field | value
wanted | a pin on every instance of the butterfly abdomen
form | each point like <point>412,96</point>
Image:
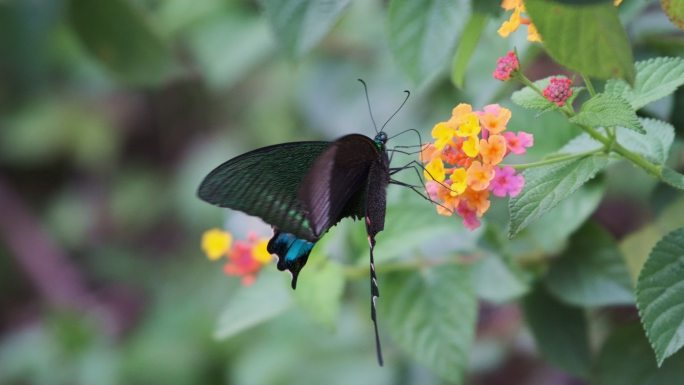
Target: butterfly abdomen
<point>292,252</point>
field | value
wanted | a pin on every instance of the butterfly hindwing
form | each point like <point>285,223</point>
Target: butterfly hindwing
<point>335,186</point>
<point>264,183</point>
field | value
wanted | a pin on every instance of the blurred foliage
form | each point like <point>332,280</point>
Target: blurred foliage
<point>112,112</point>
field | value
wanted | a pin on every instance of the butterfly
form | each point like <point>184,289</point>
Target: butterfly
<point>302,189</point>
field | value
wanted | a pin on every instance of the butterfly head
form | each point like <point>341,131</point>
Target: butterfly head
<point>380,140</point>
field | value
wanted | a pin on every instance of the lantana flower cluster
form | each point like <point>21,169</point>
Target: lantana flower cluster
<point>463,165</point>
<point>245,257</point>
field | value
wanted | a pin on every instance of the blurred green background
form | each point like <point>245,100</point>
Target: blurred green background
<point>112,112</point>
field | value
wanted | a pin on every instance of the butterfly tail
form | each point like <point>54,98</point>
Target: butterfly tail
<point>375,293</point>
<point>292,252</point>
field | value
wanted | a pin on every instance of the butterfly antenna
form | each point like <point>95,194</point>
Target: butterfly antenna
<point>370,111</point>
<point>408,93</point>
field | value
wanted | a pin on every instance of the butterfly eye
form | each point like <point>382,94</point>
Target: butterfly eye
<point>381,137</point>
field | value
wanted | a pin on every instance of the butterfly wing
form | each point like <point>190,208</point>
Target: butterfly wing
<point>335,185</point>
<point>350,178</point>
<point>264,183</point>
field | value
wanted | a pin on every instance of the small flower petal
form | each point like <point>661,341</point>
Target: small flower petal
<point>479,175</point>
<point>510,25</point>
<point>469,126</point>
<point>458,181</point>
<point>260,252</point>
<point>216,243</point>
<point>494,118</point>
<point>493,149</point>
<point>443,133</point>
<point>471,146</point>
<point>518,142</point>
<point>435,170</point>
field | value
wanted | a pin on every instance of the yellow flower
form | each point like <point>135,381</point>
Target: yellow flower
<point>260,252</point>
<point>471,146</point>
<point>435,170</point>
<point>216,243</point>
<point>469,127</point>
<point>512,24</point>
<point>617,2</point>
<point>443,133</point>
<point>458,181</point>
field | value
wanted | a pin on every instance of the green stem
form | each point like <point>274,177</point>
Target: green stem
<point>590,86</point>
<point>524,80</point>
<point>611,144</point>
<point>556,159</point>
<point>614,146</point>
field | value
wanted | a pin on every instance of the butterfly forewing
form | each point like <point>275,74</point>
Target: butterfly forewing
<point>264,183</point>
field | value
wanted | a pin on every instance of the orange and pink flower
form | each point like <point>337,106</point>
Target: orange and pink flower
<point>463,166</point>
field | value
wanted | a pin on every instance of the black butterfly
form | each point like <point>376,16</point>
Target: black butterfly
<point>302,189</point>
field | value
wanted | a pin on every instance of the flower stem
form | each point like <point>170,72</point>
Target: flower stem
<point>590,86</point>
<point>610,143</point>
<point>524,80</point>
<point>613,146</point>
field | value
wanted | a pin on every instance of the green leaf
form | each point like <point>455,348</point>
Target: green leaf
<point>549,234</point>
<point>659,295</point>
<point>655,145</point>
<point>559,330</point>
<point>425,227</point>
<point>528,98</point>
<point>674,9</point>
<point>495,281</point>
<point>299,25</point>
<point>636,246</point>
<point>588,39</point>
<point>591,272</point>
<point>117,34</point>
<point>422,34</point>
<point>546,186</point>
<point>320,290</point>
<point>604,110</point>
<point>673,178</point>
<point>466,47</point>
<point>267,298</point>
<point>431,315</point>
<point>224,63</point>
<point>582,2</point>
<point>655,79</point>
<point>626,359</point>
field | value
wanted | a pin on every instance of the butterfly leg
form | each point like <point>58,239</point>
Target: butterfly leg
<point>417,191</point>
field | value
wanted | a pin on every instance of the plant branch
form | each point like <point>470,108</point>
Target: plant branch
<point>590,86</point>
